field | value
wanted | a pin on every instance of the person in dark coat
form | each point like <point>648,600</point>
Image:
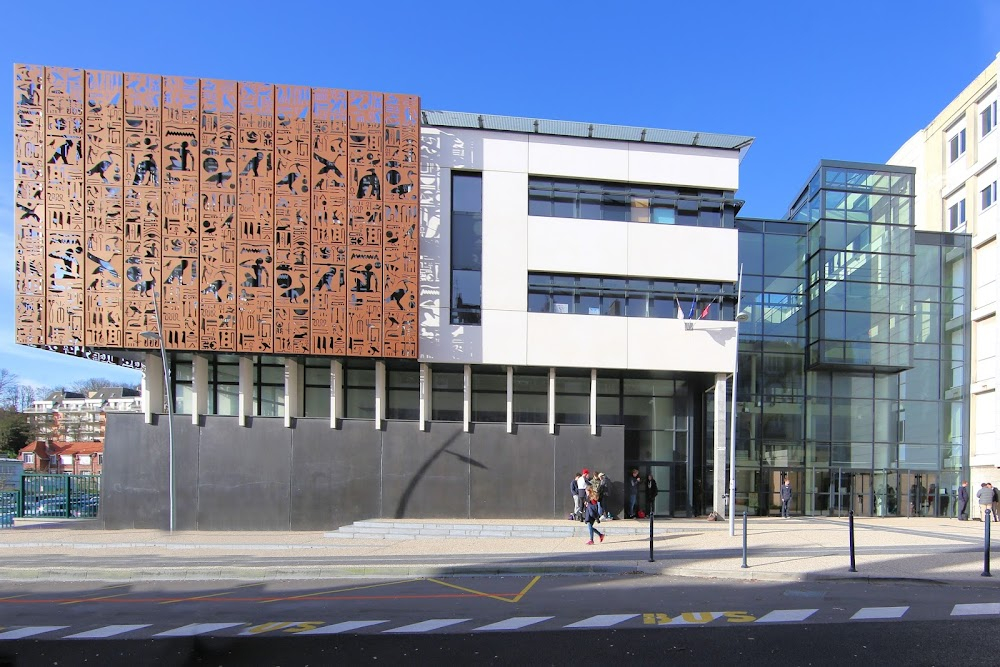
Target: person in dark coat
<point>651,492</point>
<point>634,482</point>
<point>592,515</point>
<point>786,498</point>
<point>963,501</point>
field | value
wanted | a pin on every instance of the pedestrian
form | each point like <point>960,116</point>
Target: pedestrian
<point>634,482</point>
<point>985,498</point>
<point>651,492</point>
<point>593,514</point>
<point>786,498</point>
<point>582,486</point>
<point>603,495</point>
<point>963,501</point>
<point>575,493</point>
<point>996,499</point>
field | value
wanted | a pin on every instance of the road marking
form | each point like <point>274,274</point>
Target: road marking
<point>213,595</point>
<point>30,631</point>
<point>879,612</point>
<point>427,626</point>
<point>196,629</point>
<point>517,598</point>
<point>786,615</point>
<point>696,617</point>
<point>515,623</point>
<point>106,631</point>
<point>337,628</point>
<point>981,609</point>
<point>104,597</point>
<point>601,621</point>
<point>339,590</point>
<point>500,597</point>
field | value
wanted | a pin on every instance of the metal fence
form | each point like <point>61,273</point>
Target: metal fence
<point>58,496</point>
<point>9,502</point>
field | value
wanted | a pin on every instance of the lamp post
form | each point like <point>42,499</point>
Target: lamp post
<point>158,336</point>
<point>740,317</point>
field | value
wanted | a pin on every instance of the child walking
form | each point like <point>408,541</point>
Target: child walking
<point>592,514</point>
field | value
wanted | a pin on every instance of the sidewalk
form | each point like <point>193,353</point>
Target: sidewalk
<point>797,549</point>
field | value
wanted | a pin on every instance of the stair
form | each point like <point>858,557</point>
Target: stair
<point>402,529</point>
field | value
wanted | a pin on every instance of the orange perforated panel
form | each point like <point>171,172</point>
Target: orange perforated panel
<point>248,217</point>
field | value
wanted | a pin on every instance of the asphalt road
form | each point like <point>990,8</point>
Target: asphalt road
<point>497,620</point>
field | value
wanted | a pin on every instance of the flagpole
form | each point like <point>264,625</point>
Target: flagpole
<point>738,317</point>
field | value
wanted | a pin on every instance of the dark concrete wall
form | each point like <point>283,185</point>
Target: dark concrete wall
<point>311,477</point>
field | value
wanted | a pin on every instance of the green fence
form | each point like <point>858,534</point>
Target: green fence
<point>59,496</point>
<point>9,502</point>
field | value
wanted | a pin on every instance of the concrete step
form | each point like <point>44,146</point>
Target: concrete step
<point>390,529</point>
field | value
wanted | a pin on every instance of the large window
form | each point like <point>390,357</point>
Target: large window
<point>489,394</point>
<point>632,297</point>
<point>594,200</point>
<point>573,397</point>
<point>466,247</point>
<point>359,389</point>
<point>447,393</point>
<point>224,372</point>
<point>956,146</point>
<point>182,376</point>
<point>956,215</point>
<point>316,397</point>
<point>531,395</point>
<point>988,118</point>
<point>269,389</point>
<point>988,195</point>
<point>403,391</point>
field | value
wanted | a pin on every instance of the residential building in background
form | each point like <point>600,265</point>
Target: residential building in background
<point>70,458</point>
<point>65,416</point>
<point>956,159</point>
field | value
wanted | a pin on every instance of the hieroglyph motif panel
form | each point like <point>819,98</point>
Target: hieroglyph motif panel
<point>238,217</point>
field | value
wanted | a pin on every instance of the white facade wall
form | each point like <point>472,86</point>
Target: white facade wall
<point>515,243</point>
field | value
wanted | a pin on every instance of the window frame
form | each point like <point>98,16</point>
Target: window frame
<point>988,115</point>
<point>957,215</point>
<point>988,193</point>
<point>956,146</point>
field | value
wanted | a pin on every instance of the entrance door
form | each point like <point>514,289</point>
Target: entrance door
<point>775,478</point>
<point>921,497</point>
<point>885,486</point>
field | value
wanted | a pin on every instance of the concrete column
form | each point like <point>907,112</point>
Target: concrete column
<point>199,386</point>
<point>152,386</point>
<point>426,405</point>
<point>379,395</point>
<point>466,397</point>
<point>293,391</point>
<point>336,392</point>
<point>510,399</point>
<point>246,390</point>
<point>552,401</point>
<point>720,478</point>
<point>593,401</point>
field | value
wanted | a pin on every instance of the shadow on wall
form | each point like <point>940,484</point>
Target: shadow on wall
<point>440,152</point>
<point>421,472</point>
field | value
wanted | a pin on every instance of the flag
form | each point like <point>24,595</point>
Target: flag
<point>704,312</point>
<point>693,311</point>
<point>680,309</point>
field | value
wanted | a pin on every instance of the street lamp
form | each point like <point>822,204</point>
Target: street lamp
<point>740,317</point>
<point>158,336</point>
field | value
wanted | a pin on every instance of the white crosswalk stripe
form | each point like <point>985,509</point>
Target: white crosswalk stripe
<point>337,628</point>
<point>981,609</point>
<point>786,615</point>
<point>196,629</point>
<point>601,621</point>
<point>868,613</point>
<point>515,623</point>
<point>427,626</point>
<point>30,631</point>
<point>106,631</point>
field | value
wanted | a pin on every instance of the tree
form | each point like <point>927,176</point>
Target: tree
<point>91,384</point>
<point>8,388</point>
<point>14,432</point>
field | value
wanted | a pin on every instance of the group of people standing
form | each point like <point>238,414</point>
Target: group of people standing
<point>988,501</point>
<point>634,485</point>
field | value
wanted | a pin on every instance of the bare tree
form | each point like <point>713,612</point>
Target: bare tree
<point>90,384</point>
<point>8,388</point>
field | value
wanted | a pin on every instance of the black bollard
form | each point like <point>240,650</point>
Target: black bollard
<point>850,523</point>
<point>744,566</point>
<point>986,547</point>
<point>651,533</point>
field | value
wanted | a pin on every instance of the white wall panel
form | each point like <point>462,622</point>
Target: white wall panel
<point>578,158</point>
<point>505,337</point>
<point>675,251</point>
<point>665,344</point>
<point>581,341</point>
<point>681,165</point>
<point>505,241</point>
<point>578,246</point>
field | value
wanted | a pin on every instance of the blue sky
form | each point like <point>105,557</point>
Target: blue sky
<point>845,80</point>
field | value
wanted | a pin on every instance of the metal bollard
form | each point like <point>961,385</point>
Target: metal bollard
<point>986,547</point>
<point>744,540</point>
<point>850,523</point>
<point>651,533</point>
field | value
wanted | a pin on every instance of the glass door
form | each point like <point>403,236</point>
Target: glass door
<point>884,487</point>
<point>775,478</point>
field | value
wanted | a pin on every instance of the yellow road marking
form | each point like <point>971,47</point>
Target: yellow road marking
<point>489,595</point>
<point>214,595</point>
<point>11,597</point>
<point>340,590</point>
<point>103,597</point>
